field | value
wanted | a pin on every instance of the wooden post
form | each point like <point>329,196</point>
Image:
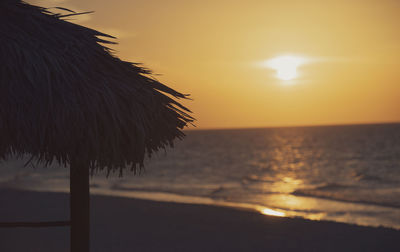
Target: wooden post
<point>79,207</point>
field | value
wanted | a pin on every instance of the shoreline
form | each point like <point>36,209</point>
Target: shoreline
<point>126,224</point>
<point>265,209</point>
<point>261,209</point>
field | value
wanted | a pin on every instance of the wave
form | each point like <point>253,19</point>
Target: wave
<point>257,179</point>
<point>119,187</point>
<point>332,186</point>
<point>216,193</point>
<point>344,193</point>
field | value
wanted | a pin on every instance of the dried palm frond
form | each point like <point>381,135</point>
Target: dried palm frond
<point>64,95</point>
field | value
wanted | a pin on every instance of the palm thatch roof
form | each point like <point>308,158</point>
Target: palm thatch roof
<point>64,96</point>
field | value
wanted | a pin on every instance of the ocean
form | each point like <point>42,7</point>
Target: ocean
<point>346,174</point>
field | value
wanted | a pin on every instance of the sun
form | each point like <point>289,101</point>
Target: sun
<point>285,66</point>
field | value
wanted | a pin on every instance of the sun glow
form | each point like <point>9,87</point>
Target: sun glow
<point>268,211</point>
<point>285,66</point>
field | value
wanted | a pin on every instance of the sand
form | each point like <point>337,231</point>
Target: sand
<point>125,224</point>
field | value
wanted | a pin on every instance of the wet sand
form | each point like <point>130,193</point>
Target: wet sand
<point>124,224</point>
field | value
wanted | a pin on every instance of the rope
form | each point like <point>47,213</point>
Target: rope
<point>35,224</point>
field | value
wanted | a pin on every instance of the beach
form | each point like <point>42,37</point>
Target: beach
<point>126,224</point>
<point>341,173</point>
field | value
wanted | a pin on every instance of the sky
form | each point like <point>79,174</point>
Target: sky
<point>216,51</point>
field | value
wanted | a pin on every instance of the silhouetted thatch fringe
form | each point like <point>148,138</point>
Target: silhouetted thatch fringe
<point>64,96</point>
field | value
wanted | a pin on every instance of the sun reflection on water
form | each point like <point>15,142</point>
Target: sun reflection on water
<point>288,183</point>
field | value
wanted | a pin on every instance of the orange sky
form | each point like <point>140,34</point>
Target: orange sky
<point>213,50</point>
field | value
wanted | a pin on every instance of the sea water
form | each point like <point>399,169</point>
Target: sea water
<point>340,173</point>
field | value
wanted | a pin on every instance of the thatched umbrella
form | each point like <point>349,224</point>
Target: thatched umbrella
<point>65,98</point>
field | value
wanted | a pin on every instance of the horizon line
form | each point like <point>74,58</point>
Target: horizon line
<point>293,126</point>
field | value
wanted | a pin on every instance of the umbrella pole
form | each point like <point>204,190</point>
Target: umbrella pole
<point>79,207</point>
